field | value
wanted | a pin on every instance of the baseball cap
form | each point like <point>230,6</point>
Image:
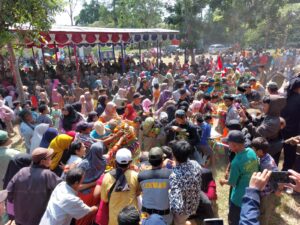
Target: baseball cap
<point>246,86</point>
<point>236,136</point>
<point>272,85</point>
<point>123,156</point>
<point>39,154</point>
<point>252,79</point>
<point>234,125</point>
<point>137,95</point>
<point>155,154</point>
<point>179,113</point>
<point>83,126</point>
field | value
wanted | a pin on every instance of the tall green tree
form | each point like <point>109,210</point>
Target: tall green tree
<point>122,13</point>
<point>187,16</point>
<point>90,13</point>
<point>35,15</point>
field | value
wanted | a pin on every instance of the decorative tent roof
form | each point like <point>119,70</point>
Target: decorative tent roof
<point>74,35</point>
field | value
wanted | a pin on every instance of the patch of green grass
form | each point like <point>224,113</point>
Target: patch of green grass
<point>288,206</point>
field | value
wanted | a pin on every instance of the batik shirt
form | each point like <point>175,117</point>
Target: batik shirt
<point>185,182</point>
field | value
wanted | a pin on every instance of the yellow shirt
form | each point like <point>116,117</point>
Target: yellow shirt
<point>118,200</point>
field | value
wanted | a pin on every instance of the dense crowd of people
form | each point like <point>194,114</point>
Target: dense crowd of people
<point>107,148</point>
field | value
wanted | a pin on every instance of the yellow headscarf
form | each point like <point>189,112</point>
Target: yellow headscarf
<point>59,145</point>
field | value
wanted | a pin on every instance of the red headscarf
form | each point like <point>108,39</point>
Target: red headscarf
<point>131,115</point>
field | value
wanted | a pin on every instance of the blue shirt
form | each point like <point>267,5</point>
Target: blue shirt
<point>205,135</point>
<point>250,208</point>
<point>155,185</point>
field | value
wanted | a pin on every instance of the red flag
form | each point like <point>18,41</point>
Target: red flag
<point>220,64</point>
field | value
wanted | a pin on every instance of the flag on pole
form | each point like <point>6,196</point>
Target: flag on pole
<point>219,63</point>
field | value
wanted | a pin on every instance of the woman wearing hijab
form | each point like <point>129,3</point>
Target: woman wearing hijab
<point>120,98</point>
<point>37,136</point>
<point>94,166</point>
<point>151,135</point>
<point>69,119</point>
<point>130,113</point>
<point>102,101</point>
<point>130,93</point>
<point>109,113</point>
<point>164,97</point>
<point>115,87</point>
<point>92,117</point>
<point>48,136</point>
<point>60,145</point>
<point>15,164</point>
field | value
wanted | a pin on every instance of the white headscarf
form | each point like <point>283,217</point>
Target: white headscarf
<point>37,136</point>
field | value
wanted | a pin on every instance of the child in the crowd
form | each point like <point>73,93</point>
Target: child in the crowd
<point>156,93</point>
<point>55,114</point>
<point>205,129</point>
<point>268,195</point>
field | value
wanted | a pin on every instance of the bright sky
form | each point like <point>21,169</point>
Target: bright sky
<point>64,19</point>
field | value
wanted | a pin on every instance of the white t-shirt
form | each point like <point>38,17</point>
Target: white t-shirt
<point>64,205</point>
<point>74,159</point>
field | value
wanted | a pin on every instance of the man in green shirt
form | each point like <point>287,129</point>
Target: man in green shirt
<point>244,164</point>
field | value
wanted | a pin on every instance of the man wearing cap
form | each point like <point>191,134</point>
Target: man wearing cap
<point>244,164</point>
<point>272,88</point>
<point>30,189</point>
<point>181,129</point>
<point>155,186</point>
<point>120,186</point>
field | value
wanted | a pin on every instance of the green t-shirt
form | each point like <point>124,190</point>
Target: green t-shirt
<point>243,165</point>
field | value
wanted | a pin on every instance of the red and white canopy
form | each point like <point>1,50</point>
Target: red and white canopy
<point>74,35</point>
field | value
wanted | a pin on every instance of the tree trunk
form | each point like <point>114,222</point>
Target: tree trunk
<point>71,12</point>
<point>115,16</point>
<point>15,71</point>
<point>192,54</point>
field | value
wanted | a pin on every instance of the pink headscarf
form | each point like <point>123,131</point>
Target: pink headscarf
<point>196,106</point>
<point>56,97</point>
<point>55,83</point>
<point>146,104</point>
